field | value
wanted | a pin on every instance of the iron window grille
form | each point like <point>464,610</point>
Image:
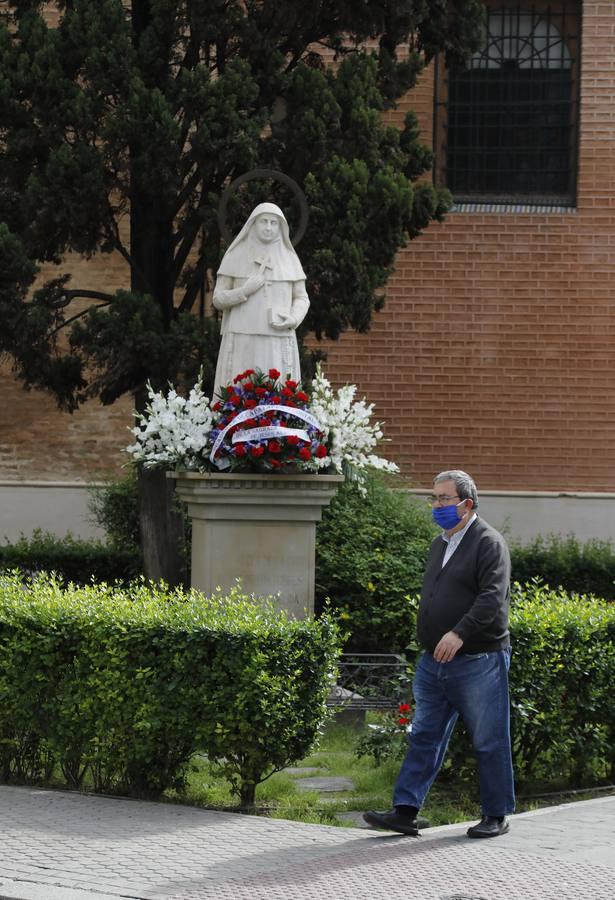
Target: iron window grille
<point>506,126</point>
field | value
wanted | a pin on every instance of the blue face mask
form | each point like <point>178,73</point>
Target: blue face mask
<point>446,517</point>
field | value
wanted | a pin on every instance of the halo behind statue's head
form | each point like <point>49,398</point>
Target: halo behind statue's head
<point>241,258</point>
<point>259,175</point>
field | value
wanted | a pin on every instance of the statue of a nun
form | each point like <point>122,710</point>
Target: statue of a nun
<point>260,289</point>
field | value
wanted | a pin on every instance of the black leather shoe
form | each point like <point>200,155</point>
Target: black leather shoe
<point>489,826</point>
<point>392,821</point>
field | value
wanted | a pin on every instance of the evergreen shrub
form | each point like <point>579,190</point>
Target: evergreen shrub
<point>74,560</point>
<point>370,558</point>
<point>561,688</point>
<point>585,568</point>
<point>121,687</point>
<point>563,702</point>
<point>114,505</point>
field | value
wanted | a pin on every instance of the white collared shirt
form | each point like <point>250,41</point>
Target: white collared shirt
<point>454,540</point>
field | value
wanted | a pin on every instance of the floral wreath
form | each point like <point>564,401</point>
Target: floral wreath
<point>261,423</point>
<point>265,425</point>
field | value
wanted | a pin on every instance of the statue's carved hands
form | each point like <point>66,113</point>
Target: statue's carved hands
<point>285,323</point>
<point>253,283</point>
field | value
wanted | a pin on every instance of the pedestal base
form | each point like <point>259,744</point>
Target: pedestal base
<point>257,528</point>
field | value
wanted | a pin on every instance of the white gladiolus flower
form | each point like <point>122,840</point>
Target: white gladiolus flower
<point>173,430</point>
<point>347,429</point>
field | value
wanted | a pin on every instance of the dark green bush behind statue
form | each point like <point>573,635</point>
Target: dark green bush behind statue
<point>122,687</point>
<point>370,558</point>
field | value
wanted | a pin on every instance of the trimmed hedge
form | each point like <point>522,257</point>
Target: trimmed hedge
<point>563,702</point>
<point>561,689</point>
<point>587,568</point>
<point>74,560</point>
<point>122,687</point>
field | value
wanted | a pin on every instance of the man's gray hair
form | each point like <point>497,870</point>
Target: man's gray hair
<point>464,484</point>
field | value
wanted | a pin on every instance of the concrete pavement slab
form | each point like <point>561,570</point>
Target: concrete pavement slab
<point>22,891</point>
<point>106,848</point>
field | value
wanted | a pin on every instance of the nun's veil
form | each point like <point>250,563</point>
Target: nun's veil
<point>247,251</point>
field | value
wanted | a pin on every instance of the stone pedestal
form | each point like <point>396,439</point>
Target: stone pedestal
<point>259,528</point>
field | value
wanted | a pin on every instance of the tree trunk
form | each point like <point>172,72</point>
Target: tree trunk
<point>162,529</point>
<point>247,795</point>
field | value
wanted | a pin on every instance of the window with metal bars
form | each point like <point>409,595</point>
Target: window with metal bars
<point>506,126</point>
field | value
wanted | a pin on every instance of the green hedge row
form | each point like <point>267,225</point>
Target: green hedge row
<point>561,688</point>
<point>75,560</point>
<point>120,688</point>
<point>561,683</point>
<point>585,568</point>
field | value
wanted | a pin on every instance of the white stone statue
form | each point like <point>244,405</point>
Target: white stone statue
<point>260,289</point>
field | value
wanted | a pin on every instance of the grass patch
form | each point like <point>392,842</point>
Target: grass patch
<point>280,797</point>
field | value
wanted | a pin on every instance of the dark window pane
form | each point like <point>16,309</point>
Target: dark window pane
<point>510,123</point>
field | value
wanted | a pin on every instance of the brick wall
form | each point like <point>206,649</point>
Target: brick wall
<point>494,352</point>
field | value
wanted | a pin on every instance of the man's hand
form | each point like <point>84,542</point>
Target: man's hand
<point>447,647</point>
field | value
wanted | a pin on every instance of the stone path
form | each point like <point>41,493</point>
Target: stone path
<point>326,784</point>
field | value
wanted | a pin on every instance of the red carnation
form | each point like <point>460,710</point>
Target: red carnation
<point>249,372</point>
<point>292,440</point>
<point>240,449</point>
<point>276,400</point>
<point>302,396</point>
<point>286,392</point>
<point>249,404</point>
<point>404,707</point>
<point>321,451</point>
<point>403,720</point>
<point>260,391</point>
<point>304,453</point>
<point>291,384</point>
<point>257,451</point>
<point>217,406</point>
<point>291,403</point>
<point>275,463</point>
<point>273,373</point>
<point>248,386</point>
<point>274,447</point>
<point>235,399</point>
<point>264,422</point>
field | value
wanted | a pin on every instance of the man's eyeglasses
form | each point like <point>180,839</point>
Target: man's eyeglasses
<point>442,499</point>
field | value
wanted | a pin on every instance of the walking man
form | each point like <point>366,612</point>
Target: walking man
<point>462,625</point>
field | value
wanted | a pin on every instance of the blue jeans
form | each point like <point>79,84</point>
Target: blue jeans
<point>475,687</point>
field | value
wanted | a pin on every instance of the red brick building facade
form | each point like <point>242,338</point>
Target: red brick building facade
<point>495,349</point>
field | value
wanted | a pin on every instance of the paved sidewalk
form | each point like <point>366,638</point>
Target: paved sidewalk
<point>56,845</point>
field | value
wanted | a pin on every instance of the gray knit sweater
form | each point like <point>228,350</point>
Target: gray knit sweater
<point>470,595</point>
